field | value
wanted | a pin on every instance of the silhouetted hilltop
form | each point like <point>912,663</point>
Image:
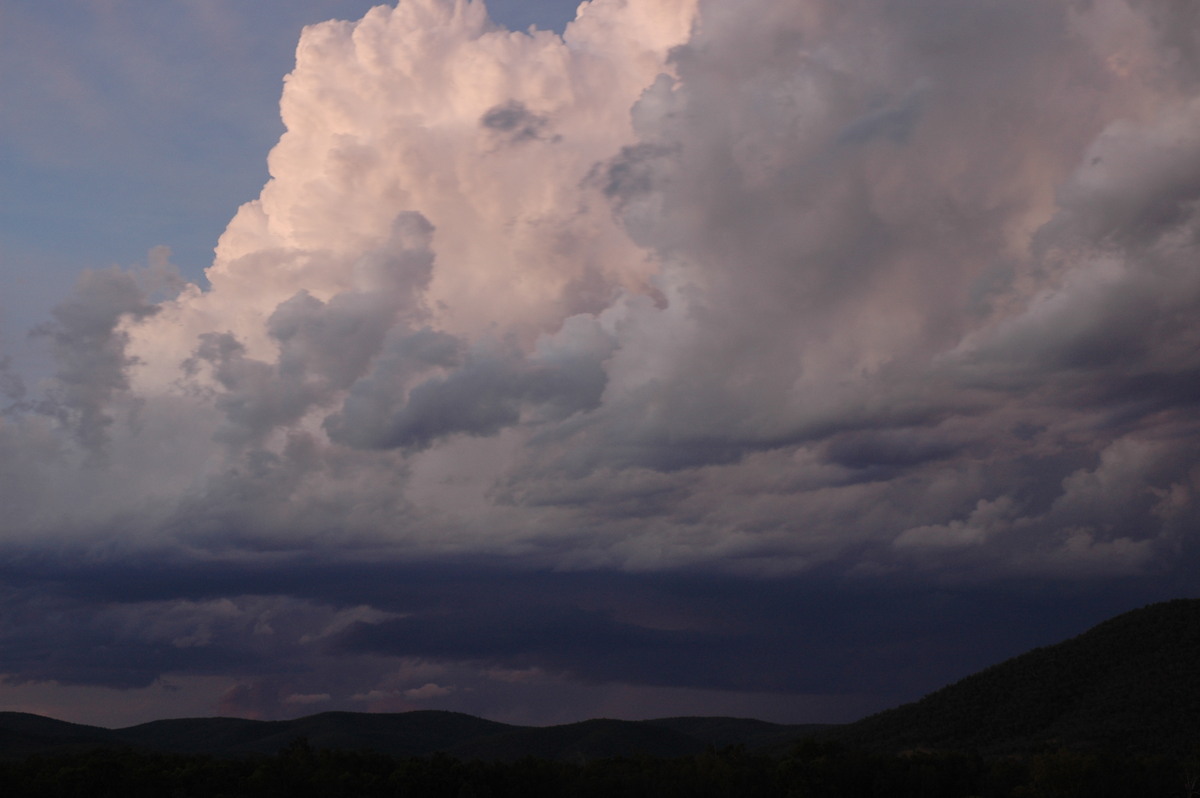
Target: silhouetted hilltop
<point>399,734</point>
<point>1132,683</point>
<point>23,733</point>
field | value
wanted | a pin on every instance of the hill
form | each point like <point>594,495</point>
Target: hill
<point>1131,683</point>
<point>22,734</point>
<point>400,734</point>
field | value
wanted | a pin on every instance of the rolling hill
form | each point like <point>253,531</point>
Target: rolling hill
<point>400,734</point>
<point>1131,683</point>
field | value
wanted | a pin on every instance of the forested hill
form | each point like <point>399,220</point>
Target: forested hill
<point>402,734</point>
<point>1132,684</point>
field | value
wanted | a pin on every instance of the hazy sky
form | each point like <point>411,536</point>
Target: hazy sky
<point>785,359</point>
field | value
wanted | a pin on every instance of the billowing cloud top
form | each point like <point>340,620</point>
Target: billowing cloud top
<point>765,289</point>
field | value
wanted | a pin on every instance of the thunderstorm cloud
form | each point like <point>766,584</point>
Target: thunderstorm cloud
<point>625,356</point>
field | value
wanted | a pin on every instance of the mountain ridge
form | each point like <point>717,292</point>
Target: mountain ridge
<point>417,733</point>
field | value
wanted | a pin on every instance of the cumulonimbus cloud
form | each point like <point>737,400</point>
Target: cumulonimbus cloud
<point>761,288</point>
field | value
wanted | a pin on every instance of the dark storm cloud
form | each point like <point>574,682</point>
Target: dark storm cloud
<point>485,393</point>
<point>130,624</point>
<point>324,347</point>
<point>1177,23</point>
<point>89,351</point>
<point>12,386</point>
<point>481,398</point>
<point>868,273</point>
<point>895,448</point>
<point>49,637</point>
<point>585,644</point>
<point>98,658</point>
<point>893,121</point>
<point>516,121</point>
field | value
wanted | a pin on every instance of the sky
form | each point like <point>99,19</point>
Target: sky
<point>780,359</point>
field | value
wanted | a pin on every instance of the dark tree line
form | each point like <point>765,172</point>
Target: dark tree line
<point>813,769</point>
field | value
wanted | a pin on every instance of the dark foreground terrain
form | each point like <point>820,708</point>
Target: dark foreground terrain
<point>1113,712</point>
<point>812,769</point>
<point>1129,685</point>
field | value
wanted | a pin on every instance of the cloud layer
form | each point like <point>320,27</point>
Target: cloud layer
<point>811,298</point>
